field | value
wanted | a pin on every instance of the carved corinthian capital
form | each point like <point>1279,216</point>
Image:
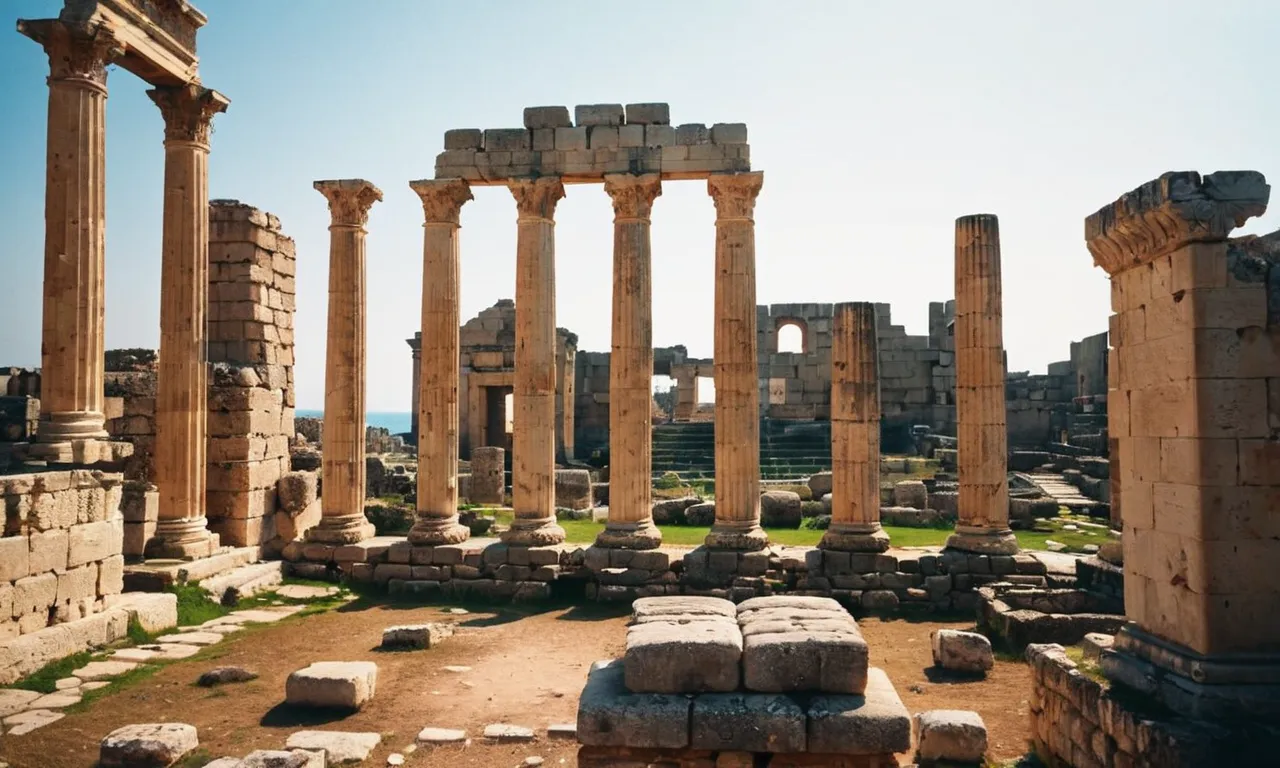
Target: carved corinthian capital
<point>537,198</point>
<point>188,111</point>
<point>633,196</point>
<point>735,193</point>
<point>78,51</point>
<point>349,200</point>
<point>442,199</point>
<point>1167,213</point>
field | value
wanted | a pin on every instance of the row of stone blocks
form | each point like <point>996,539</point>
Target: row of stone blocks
<point>772,675</point>
<point>673,162</point>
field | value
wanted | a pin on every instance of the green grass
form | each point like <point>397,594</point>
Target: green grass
<point>1088,667</point>
<point>195,606</point>
<point>43,679</point>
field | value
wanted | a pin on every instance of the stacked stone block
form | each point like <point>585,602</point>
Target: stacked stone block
<point>704,681</point>
<point>60,555</point>
<point>600,139</point>
<point>251,397</point>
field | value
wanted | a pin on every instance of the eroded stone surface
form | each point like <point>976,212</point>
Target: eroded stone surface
<point>801,644</point>
<point>508,732</point>
<point>152,745</point>
<point>874,723</point>
<point>278,758</point>
<point>440,735</point>
<point>102,670</point>
<point>340,684</point>
<point>611,716</point>
<point>15,700</point>
<point>951,734</point>
<point>747,722</point>
<point>191,638</point>
<point>415,635</point>
<point>339,746</point>
<point>683,656</point>
<point>962,651</point>
<point>648,609</point>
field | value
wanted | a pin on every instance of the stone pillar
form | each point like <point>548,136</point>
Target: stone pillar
<point>488,475</point>
<point>855,432</point>
<point>342,519</point>
<point>982,439</point>
<point>533,442</point>
<point>1194,409</point>
<point>437,511</point>
<point>72,348</point>
<point>182,383</point>
<point>630,523</point>
<point>737,524</point>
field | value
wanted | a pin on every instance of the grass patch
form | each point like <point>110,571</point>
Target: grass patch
<point>1088,667</point>
<point>115,684</point>
<point>136,634</point>
<point>195,606</point>
<point>43,679</point>
<point>195,758</point>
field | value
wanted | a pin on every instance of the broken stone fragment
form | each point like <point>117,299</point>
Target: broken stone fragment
<point>154,745</point>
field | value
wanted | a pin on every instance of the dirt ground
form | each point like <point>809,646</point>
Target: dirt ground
<point>526,669</point>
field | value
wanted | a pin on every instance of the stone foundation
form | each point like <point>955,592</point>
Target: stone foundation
<point>1023,615</point>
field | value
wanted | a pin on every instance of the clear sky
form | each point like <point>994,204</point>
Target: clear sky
<point>876,124</point>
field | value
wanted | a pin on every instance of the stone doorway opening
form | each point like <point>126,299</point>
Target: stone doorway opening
<point>499,416</point>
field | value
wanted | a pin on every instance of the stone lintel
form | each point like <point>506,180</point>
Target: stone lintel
<point>1167,213</point>
<point>159,36</point>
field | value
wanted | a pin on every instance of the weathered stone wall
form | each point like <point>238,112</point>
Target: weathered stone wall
<point>251,393</point>
<point>60,555</point>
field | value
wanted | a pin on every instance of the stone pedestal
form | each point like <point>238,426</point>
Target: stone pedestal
<point>1194,410</point>
<point>183,379</point>
<point>488,475</point>
<point>982,439</point>
<point>342,518</point>
<point>75,221</point>
<point>855,432</point>
<point>630,524</point>
<point>737,524</point>
<point>533,439</point>
<point>437,498</point>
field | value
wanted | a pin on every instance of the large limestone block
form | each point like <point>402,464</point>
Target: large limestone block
<point>155,611</point>
<point>951,735</point>
<point>874,723</point>
<point>911,493</point>
<point>94,541</point>
<point>747,723</point>
<point>573,489</point>
<point>339,746</point>
<point>662,608</point>
<point>416,635</point>
<point>683,656</point>
<point>611,716</point>
<point>337,684</point>
<point>780,509</point>
<point>962,651</point>
<point>295,491</point>
<point>15,559</point>
<point>154,745</point>
<point>820,484</point>
<point>801,644</point>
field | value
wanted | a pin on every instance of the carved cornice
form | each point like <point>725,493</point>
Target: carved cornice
<point>1167,213</point>
<point>735,194</point>
<point>537,198</point>
<point>78,51</point>
<point>442,199</point>
<point>349,200</point>
<point>632,195</point>
<point>188,111</point>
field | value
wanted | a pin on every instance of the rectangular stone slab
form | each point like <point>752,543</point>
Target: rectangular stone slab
<point>874,723</point>
<point>747,722</point>
<point>683,656</point>
<point>611,716</point>
<point>801,644</point>
<point>659,608</point>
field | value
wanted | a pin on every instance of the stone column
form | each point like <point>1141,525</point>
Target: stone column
<point>183,380</point>
<point>855,432</point>
<point>437,511</point>
<point>737,524</point>
<point>533,442</point>
<point>630,523</point>
<point>72,363</point>
<point>983,524</point>
<point>342,519</point>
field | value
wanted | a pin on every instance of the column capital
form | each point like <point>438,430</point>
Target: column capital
<point>537,198</point>
<point>78,51</point>
<point>349,200</point>
<point>735,193</point>
<point>188,111</point>
<point>632,195</point>
<point>1167,213</point>
<point>442,199</point>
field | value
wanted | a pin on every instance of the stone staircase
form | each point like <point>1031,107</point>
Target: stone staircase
<point>788,450</point>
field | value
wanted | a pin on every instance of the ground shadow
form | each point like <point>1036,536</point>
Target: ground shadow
<point>285,715</point>
<point>595,612</point>
<point>937,674</point>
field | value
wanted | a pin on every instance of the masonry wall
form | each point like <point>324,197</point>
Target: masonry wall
<point>251,389</point>
<point>60,555</point>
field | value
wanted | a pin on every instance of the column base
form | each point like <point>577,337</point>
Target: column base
<point>533,532</point>
<point>81,452</point>
<point>1225,687</point>
<point>640,535</point>
<point>855,537</point>
<point>983,541</point>
<point>431,531</point>
<point>67,426</point>
<point>186,539</point>
<point>744,537</point>
<point>345,529</point>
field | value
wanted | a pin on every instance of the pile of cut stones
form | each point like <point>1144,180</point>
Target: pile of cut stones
<point>782,681</point>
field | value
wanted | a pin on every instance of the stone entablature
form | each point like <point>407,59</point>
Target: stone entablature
<point>157,37</point>
<point>600,139</point>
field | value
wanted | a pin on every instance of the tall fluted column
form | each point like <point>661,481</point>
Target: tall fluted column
<point>72,347</point>
<point>737,524</point>
<point>855,432</point>
<point>533,438</point>
<point>983,525</point>
<point>183,382</point>
<point>437,513</point>
<point>630,523</point>
<point>342,519</point>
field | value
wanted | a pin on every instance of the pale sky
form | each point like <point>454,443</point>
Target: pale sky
<point>876,125</point>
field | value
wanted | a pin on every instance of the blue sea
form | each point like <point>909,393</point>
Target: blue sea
<point>396,422</point>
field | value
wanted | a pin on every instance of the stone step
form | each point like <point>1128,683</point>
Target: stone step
<point>243,581</point>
